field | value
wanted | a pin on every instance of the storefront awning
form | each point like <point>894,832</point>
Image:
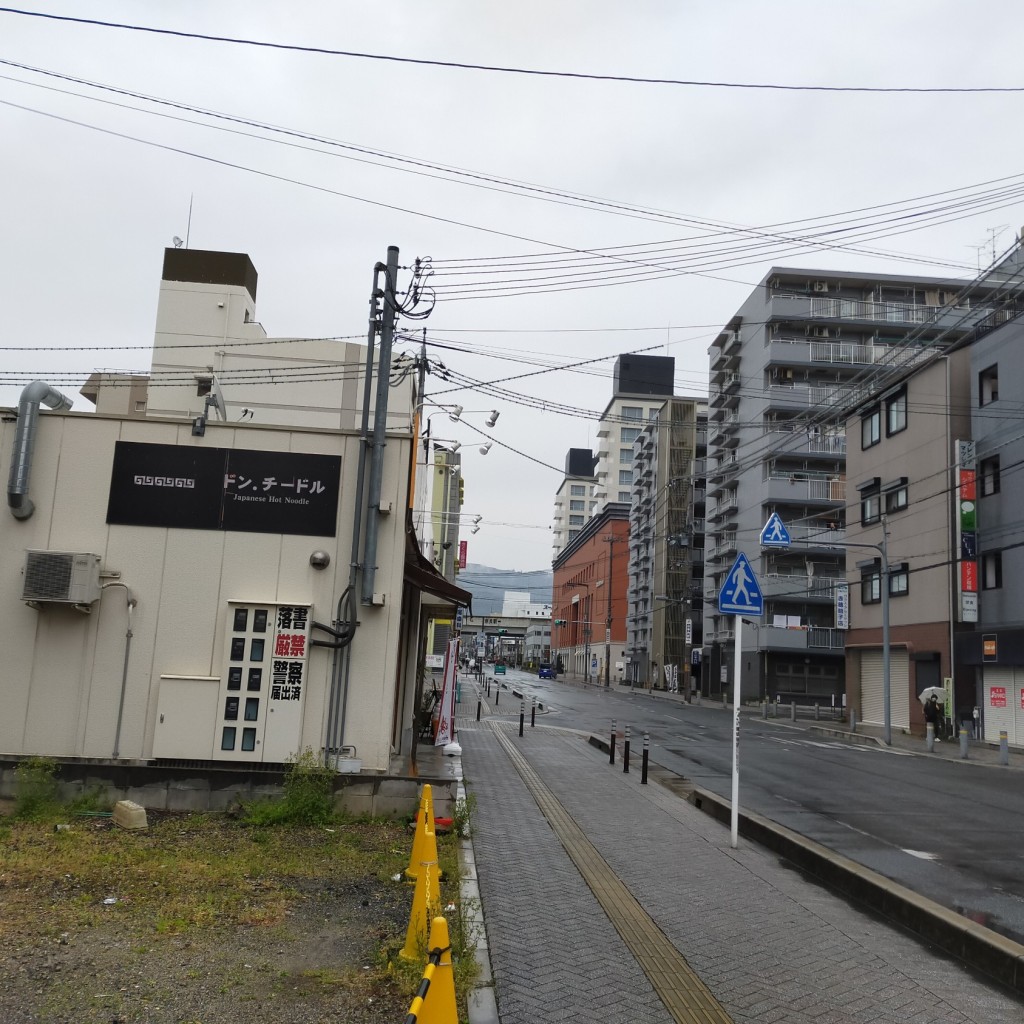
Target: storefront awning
<point>423,576</point>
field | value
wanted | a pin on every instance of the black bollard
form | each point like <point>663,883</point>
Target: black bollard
<point>643,762</point>
<point>478,711</point>
<point>522,716</point>
<point>497,694</point>
<point>533,713</point>
<point>625,753</point>
<point>611,756</point>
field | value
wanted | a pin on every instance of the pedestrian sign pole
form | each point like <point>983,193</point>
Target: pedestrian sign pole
<point>740,595</point>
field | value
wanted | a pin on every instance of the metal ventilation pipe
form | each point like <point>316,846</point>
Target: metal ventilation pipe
<point>25,440</point>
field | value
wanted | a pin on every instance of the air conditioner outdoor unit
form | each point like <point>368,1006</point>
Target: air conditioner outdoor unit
<point>817,332</point>
<point>820,286</point>
<point>61,577</point>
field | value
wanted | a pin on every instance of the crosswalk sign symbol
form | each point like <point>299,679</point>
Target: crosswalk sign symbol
<point>740,593</point>
<point>775,534</point>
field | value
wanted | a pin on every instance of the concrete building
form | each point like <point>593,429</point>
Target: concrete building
<point>575,499</point>
<point>181,562</point>
<point>589,599</point>
<point>802,349</point>
<point>641,385</point>
<point>903,443</point>
<point>666,548</point>
<point>990,658</point>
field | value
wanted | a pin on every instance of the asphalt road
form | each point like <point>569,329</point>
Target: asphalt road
<point>950,830</point>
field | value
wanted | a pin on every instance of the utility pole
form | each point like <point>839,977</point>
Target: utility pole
<point>608,618</point>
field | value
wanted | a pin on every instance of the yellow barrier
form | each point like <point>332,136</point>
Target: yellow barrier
<point>435,999</point>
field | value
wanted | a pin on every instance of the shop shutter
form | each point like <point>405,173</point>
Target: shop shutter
<point>997,716</point>
<point>871,688</point>
<point>1016,697</point>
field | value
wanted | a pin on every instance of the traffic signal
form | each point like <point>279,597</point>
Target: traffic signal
<point>559,622</point>
<point>502,632</point>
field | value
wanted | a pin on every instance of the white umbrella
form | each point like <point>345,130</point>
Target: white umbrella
<point>928,691</point>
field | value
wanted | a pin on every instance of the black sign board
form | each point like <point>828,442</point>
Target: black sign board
<point>196,488</point>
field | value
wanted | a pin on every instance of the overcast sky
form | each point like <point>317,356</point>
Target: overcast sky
<point>87,214</point>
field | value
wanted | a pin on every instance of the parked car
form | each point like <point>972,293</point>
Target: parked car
<point>546,672</point>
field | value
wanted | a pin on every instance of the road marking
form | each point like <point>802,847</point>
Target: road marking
<point>921,855</point>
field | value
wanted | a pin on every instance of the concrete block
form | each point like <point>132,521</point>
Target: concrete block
<point>130,815</point>
<point>153,796</point>
<point>188,795</point>
<point>222,800</point>
<point>358,805</point>
<point>399,789</point>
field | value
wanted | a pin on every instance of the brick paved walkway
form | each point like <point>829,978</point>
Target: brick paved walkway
<point>769,946</point>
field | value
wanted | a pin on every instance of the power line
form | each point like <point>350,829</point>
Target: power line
<point>502,69</point>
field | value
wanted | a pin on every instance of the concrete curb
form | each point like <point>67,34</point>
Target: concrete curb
<point>481,1004</point>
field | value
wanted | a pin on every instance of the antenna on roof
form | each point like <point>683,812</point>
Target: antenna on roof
<point>188,229</point>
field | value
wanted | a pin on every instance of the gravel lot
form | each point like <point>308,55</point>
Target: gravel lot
<point>299,948</point>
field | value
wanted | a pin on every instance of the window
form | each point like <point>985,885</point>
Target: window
<point>992,570</point>
<point>624,496</point>
<point>626,455</point>
<point>234,678</point>
<point>988,385</point>
<point>625,477</point>
<point>578,490</point>
<point>252,709</point>
<point>627,435</point>
<point>577,506</point>
<point>896,413</point>
<point>632,412</point>
<point>896,495</point>
<point>238,648</point>
<point>871,584</point>
<point>652,414</point>
<point>241,619</point>
<point>870,507</point>
<point>248,739</point>
<point>227,738</point>
<point>259,620</point>
<point>231,709</point>
<point>575,520</point>
<point>871,428</point>
<point>899,580</point>
<point>989,476</point>
<point>256,650</point>
<point>255,679</point>
<point>593,505</point>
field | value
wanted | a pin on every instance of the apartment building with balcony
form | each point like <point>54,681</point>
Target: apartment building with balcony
<point>641,386</point>
<point>804,347</point>
<point>575,500</point>
<point>666,548</point>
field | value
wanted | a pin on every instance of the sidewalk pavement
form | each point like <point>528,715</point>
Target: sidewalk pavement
<point>605,899</point>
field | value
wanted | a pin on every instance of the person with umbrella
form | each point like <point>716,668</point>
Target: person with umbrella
<point>933,714</point>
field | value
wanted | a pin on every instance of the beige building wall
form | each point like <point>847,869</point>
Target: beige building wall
<point>62,670</point>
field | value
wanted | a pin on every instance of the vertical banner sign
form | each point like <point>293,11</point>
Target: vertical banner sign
<point>446,721</point>
<point>967,526</point>
<point>842,598</point>
<point>462,554</point>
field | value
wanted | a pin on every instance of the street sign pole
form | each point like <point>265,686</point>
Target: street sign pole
<point>736,732</point>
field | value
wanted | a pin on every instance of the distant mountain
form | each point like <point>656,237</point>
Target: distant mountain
<point>488,586</point>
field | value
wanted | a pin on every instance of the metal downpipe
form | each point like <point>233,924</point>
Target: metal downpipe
<point>380,422</point>
<point>37,392</point>
<point>338,701</point>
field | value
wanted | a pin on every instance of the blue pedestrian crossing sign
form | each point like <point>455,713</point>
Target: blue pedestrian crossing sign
<point>775,534</point>
<point>740,594</point>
